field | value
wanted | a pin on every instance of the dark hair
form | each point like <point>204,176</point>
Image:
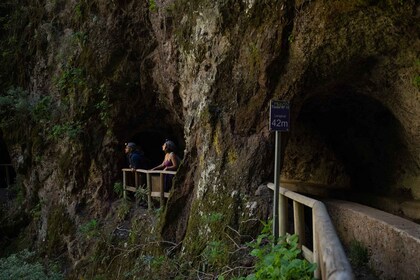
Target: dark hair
<point>170,146</point>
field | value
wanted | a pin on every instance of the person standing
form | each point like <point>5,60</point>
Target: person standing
<point>170,163</point>
<point>135,156</point>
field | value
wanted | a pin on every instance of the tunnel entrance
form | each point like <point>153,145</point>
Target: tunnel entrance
<point>151,142</point>
<point>351,136</point>
<point>7,172</point>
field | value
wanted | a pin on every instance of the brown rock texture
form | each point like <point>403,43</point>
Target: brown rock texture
<point>204,72</point>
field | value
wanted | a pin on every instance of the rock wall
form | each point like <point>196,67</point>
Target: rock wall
<point>102,71</point>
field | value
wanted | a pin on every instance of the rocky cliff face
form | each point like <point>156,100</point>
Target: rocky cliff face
<point>95,74</point>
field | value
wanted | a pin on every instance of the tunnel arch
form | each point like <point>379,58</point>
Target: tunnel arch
<point>151,138</point>
<point>346,139</point>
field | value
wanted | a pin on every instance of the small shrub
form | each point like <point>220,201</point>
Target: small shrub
<point>15,108</point>
<point>90,229</point>
<point>70,129</point>
<point>123,210</point>
<point>213,217</point>
<point>215,253</point>
<point>24,266</point>
<point>279,261</point>
<point>119,189</point>
<point>141,193</point>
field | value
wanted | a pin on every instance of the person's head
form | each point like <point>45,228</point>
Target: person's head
<point>130,147</point>
<point>168,146</point>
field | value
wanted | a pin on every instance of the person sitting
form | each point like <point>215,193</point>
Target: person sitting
<point>170,163</point>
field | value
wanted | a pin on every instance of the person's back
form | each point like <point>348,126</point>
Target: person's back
<point>138,160</point>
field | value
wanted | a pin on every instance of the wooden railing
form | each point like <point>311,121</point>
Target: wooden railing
<point>327,251</point>
<point>154,182</point>
<point>7,167</point>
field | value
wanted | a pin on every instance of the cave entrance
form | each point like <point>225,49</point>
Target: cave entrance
<point>362,135</point>
<point>151,142</point>
<point>7,172</point>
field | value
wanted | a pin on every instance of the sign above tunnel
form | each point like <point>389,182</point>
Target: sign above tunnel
<point>279,115</point>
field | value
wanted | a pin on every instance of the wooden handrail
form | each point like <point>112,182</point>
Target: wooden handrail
<point>149,173</point>
<point>146,171</point>
<point>327,251</point>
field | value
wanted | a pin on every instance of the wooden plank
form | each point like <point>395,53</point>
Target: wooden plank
<point>307,254</point>
<point>131,189</point>
<point>158,194</point>
<point>299,221</point>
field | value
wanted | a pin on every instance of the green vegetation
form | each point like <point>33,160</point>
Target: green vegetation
<point>15,108</point>
<point>24,266</point>
<point>90,229</point>
<point>123,210</point>
<point>281,261</point>
<point>119,189</point>
<point>104,106</point>
<point>70,129</point>
<point>141,193</point>
<point>152,6</point>
<point>71,80</point>
<point>358,253</point>
<point>59,225</point>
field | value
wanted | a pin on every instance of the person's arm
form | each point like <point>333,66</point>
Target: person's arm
<point>161,166</point>
<point>175,162</point>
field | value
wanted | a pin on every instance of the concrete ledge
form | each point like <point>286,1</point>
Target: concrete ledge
<point>393,242</point>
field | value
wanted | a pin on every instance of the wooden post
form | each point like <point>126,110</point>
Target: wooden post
<point>162,186</point>
<point>149,192</point>
<point>317,272</point>
<point>124,185</point>
<point>136,179</point>
<point>284,213</point>
<point>299,220</point>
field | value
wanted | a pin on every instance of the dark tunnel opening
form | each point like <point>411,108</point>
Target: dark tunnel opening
<point>363,135</point>
<point>7,172</point>
<point>151,142</point>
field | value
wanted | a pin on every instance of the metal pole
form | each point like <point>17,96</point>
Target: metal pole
<point>277,158</point>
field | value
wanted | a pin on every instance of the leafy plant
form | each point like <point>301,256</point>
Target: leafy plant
<point>215,253</point>
<point>24,266</point>
<point>15,107</point>
<point>119,189</point>
<point>70,129</point>
<point>141,193</point>
<point>123,209</point>
<point>90,229</point>
<point>152,6</point>
<point>104,106</point>
<point>80,38</point>
<point>416,82</point>
<point>71,78</point>
<point>213,217</point>
<point>279,261</point>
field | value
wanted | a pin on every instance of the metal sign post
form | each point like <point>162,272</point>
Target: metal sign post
<point>279,121</point>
